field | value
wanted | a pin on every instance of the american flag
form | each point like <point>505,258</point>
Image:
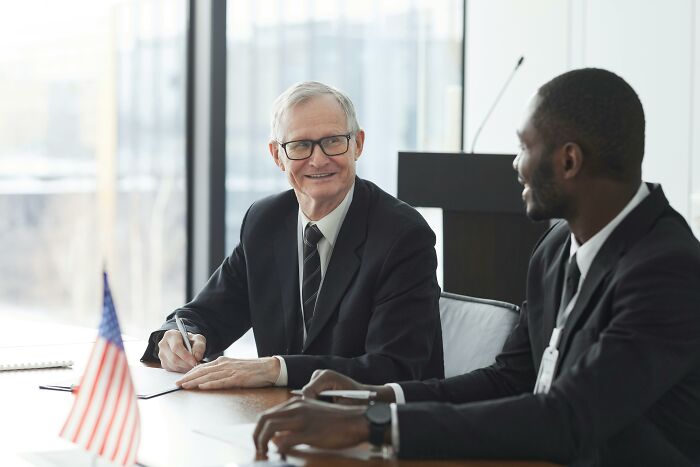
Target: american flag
<point>104,418</point>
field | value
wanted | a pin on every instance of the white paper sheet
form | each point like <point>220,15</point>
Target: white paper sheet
<point>148,382</point>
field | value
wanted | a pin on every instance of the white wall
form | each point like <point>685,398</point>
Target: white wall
<point>653,44</point>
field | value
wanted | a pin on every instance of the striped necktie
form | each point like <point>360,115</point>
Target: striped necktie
<point>311,271</point>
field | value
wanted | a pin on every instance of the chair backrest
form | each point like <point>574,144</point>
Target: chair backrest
<point>473,331</point>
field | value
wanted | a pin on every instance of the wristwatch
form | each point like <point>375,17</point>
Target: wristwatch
<point>378,414</point>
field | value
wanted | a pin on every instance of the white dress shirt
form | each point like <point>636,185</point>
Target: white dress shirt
<point>329,225</point>
<point>585,254</point>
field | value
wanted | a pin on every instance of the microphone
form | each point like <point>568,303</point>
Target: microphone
<point>498,98</point>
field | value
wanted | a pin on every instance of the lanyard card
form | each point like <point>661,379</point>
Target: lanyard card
<point>545,375</point>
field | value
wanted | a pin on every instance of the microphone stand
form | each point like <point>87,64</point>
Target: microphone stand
<point>498,98</point>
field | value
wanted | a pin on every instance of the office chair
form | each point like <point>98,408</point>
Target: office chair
<point>473,331</point>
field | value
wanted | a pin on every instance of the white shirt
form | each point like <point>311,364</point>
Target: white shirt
<point>585,254</point>
<point>329,225</point>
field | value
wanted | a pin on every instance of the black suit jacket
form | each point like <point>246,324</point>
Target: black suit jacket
<point>627,385</point>
<point>376,318</point>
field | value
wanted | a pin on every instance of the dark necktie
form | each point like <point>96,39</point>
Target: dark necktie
<point>312,272</point>
<point>573,275</point>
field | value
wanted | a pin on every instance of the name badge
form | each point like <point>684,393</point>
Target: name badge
<point>545,375</point>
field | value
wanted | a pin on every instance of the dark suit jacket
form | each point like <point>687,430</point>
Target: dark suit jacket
<point>376,318</point>
<point>627,386</point>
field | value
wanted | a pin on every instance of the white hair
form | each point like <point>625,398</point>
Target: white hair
<point>300,92</point>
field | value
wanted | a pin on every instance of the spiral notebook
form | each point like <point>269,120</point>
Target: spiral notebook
<point>33,365</point>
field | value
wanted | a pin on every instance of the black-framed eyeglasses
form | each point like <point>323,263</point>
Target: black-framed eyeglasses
<point>330,145</point>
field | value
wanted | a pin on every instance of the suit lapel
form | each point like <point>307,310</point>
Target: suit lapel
<point>603,263</point>
<point>626,234</point>
<point>344,262</point>
<point>285,246</point>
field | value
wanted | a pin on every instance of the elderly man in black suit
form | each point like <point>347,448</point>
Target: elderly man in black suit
<point>334,273</point>
<point>603,367</point>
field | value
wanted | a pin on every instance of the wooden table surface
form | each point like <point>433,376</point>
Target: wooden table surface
<point>31,419</point>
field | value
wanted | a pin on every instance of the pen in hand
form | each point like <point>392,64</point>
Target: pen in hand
<point>346,394</point>
<point>183,331</point>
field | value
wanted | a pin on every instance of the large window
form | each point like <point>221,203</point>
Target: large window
<point>92,159</point>
<point>399,61</point>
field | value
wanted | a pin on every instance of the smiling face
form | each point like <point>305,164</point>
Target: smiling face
<point>320,182</point>
<point>543,197</point>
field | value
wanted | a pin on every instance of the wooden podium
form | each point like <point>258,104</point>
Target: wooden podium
<point>487,238</point>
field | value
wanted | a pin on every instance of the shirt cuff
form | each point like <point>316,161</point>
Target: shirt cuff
<point>394,427</point>
<point>282,377</point>
<point>398,393</point>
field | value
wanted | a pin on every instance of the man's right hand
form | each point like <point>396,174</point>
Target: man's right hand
<point>324,380</point>
<point>173,354</point>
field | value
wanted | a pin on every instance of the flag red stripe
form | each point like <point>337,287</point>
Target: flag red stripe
<point>115,361</point>
<point>75,391</point>
<point>126,417</point>
<point>134,429</point>
<point>92,392</point>
<point>122,383</point>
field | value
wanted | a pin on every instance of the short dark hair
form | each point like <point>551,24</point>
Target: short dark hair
<point>600,112</point>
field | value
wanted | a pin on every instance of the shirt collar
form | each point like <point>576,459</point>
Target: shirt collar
<point>585,254</point>
<point>329,225</point>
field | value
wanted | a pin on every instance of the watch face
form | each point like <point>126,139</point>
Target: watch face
<point>379,413</point>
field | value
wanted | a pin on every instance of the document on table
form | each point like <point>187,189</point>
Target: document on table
<point>66,458</point>
<point>241,436</point>
<point>148,382</point>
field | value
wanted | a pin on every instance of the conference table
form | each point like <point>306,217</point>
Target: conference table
<point>176,427</point>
